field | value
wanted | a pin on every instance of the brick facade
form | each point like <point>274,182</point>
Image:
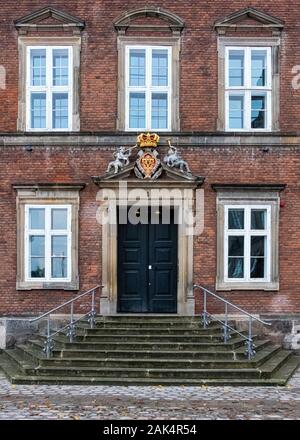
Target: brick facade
<point>245,160</point>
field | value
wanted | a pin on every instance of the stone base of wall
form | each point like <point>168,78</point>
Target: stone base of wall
<point>284,329</point>
<point>17,330</point>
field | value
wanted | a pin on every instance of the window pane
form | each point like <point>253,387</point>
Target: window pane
<point>38,67</point>
<point>59,268</point>
<point>258,218</point>
<point>60,67</point>
<point>37,256</point>
<point>159,116</point>
<point>257,269</point>
<point>236,112</point>
<point>37,245</point>
<point>59,245</point>
<point>37,269</point>
<point>38,110</point>
<point>60,110</point>
<point>258,67</point>
<point>59,256</point>
<point>258,110</point>
<point>159,67</point>
<point>137,67</point>
<point>137,112</point>
<point>235,268</point>
<point>235,219</point>
<point>37,218</point>
<point>236,246</point>
<point>257,246</point>
<point>59,219</point>
<point>236,68</point>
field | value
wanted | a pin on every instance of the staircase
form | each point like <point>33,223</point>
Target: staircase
<point>149,350</point>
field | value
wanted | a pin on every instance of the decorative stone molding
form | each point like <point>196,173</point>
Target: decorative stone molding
<point>39,20</point>
<point>41,193</point>
<point>246,195</point>
<point>170,21</point>
<point>260,19</point>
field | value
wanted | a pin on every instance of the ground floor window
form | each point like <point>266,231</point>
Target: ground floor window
<point>47,236</point>
<point>247,242</point>
<point>247,237</point>
<point>48,242</point>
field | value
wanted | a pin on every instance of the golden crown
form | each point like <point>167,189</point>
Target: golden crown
<point>148,140</point>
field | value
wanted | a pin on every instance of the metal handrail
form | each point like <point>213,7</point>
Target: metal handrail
<point>71,327</point>
<point>207,317</point>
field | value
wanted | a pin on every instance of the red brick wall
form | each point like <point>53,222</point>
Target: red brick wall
<point>217,164</point>
<point>198,112</point>
<point>198,83</point>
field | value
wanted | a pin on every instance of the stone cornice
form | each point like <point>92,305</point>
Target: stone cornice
<point>248,186</point>
<point>183,139</point>
<point>49,186</point>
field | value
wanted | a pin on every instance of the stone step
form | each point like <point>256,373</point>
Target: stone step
<point>116,344</point>
<point>144,337</point>
<point>238,353</point>
<point>275,363</point>
<point>176,330</point>
<point>280,378</point>
<point>183,373</point>
<point>153,362</point>
<point>161,324</point>
<point>138,317</point>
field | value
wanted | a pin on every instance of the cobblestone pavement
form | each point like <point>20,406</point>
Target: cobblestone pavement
<point>155,402</point>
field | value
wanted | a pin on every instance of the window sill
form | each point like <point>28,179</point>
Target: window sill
<point>267,286</point>
<point>29,285</point>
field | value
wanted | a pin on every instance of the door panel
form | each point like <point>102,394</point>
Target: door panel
<point>163,275</point>
<point>147,268</point>
<point>132,260</point>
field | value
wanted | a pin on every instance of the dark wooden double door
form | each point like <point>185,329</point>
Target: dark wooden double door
<point>147,267</point>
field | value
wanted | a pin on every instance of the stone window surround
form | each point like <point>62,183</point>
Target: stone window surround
<point>23,43</point>
<point>248,195</point>
<point>47,194</point>
<point>274,43</point>
<point>174,43</point>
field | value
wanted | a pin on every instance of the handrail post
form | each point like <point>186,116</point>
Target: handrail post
<point>249,343</point>
<point>205,319</point>
<point>204,309</point>
<point>225,327</point>
<point>48,345</point>
<point>93,311</point>
<point>72,326</point>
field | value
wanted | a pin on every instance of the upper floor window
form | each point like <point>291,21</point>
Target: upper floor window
<point>248,88</point>
<point>148,88</point>
<point>49,88</point>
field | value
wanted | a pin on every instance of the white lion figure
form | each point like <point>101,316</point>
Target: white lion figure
<point>121,160</point>
<point>174,160</point>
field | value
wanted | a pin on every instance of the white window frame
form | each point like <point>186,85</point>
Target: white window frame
<point>247,90</point>
<point>48,233</point>
<point>247,232</point>
<point>49,89</point>
<point>148,89</point>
